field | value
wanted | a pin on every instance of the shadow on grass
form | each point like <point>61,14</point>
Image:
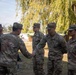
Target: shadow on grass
<point>26,66</point>
<point>65,69</point>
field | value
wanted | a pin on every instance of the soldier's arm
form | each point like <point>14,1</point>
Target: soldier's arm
<point>41,35</point>
<point>41,45</point>
<point>63,45</point>
<point>23,49</point>
<point>0,44</point>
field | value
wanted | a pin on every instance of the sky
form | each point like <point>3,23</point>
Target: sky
<point>8,12</point>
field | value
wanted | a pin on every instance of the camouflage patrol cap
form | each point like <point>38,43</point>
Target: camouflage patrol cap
<point>17,25</point>
<point>51,25</point>
<point>36,25</point>
<point>72,27</point>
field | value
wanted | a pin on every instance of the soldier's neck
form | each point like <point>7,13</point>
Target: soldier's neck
<point>52,34</point>
<point>36,31</point>
<point>15,33</point>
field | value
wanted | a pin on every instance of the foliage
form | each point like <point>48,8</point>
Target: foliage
<point>7,28</point>
<point>59,14</point>
<point>35,11</point>
<point>72,15</point>
<point>45,11</point>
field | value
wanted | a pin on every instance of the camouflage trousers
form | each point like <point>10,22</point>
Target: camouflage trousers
<point>71,68</point>
<point>7,71</point>
<point>54,67</point>
<point>38,63</point>
<point>71,72</point>
<point>3,70</point>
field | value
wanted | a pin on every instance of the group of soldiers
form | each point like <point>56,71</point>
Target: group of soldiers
<point>10,44</point>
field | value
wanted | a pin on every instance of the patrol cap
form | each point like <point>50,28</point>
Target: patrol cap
<point>17,25</point>
<point>51,25</point>
<point>36,25</point>
<point>72,27</point>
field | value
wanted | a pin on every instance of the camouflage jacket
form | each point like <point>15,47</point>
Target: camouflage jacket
<point>8,56</point>
<point>71,45</point>
<point>0,41</point>
<point>36,39</point>
<point>56,45</point>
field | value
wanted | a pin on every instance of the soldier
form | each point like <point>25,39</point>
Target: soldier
<point>1,29</point>
<point>38,59</point>
<point>1,32</point>
<point>72,51</point>
<point>10,44</point>
<point>57,47</point>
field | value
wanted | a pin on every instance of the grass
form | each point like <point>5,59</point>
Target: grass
<point>26,67</point>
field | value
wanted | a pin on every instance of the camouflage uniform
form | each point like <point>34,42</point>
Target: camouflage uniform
<point>1,29</point>
<point>0,34</point>
<point>8,57</point>
<point>57,46</point>
<point>38,59</point>
<point>72,54</point>
<point>1,68</point>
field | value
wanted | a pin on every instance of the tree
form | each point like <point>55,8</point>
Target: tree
<point>45,11</point>
<point>72,16</point>
<point>60,14</point>
<point>4,29</point>
<point>33,11</point>
<point>9,28</point>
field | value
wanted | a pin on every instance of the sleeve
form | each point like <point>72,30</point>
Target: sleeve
<point>63,45</point>
<point>23,49</point>
<point>74,46</point>
<point>0,43</point>
<point>41,35</point>
<point>41,44</point>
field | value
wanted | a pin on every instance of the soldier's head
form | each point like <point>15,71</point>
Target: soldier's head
<point>51,28</point>
<point>17,27</point>
<point>1,29</point>
<point>72,30</point>
<point>36,27</point>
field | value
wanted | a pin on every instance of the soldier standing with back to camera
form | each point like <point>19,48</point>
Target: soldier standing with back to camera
<point>38,59</point>
<point>72,50</point>
<point>10,44</point>
<point>1,29</point>
<point>1,32</point>
<point>57,47</point>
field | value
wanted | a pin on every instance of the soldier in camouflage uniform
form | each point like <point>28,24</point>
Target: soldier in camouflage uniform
<point>1,30</point>
<point>72,51</point>
<point>9,50</point>
<point>57,47</point>
<point>38,59</point>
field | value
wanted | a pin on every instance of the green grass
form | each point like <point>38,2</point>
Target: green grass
<point>26,67</point>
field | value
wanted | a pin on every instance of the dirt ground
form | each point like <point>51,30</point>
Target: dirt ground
<point>25,67</point>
